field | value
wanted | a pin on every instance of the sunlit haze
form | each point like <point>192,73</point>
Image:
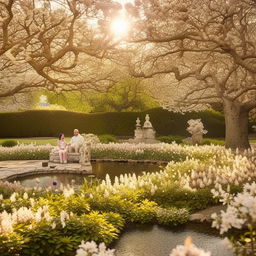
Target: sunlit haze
<point>119,27</point>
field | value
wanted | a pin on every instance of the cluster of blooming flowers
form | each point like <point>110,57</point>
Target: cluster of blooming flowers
<point>220,169</point>
<point>29,214</point>
<point>197,152</point>
<point>205,151</point>
<point>92,249</point>
<point>150,182</point>
<point>241,208</point>
<point>67,191</point>
<point>22,215</point>
<point>14,186</point>
<point>189,249</point>
<point>25,149</point>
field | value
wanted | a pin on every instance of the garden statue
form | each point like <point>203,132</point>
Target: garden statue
<point>196,129</point>
<point>138,122</point>
<point>85,155</point>
<point>145,134</point>
<point>147,123</point>
<point>138,131</point>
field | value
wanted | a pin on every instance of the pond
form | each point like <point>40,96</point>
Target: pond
<point>100,169</point>
<point>148,240</point>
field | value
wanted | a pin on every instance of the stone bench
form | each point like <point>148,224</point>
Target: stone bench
<point>82,157</point>
<point>72,157</point>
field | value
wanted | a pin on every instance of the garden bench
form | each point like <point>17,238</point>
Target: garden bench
<point>83,156</point>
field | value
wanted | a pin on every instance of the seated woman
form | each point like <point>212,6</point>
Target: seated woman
<point>62,149</point>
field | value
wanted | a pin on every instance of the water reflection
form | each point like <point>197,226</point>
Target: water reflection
<point>156,240</point>
<point>99,171</point>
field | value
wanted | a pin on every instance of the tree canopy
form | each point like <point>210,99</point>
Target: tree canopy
<point>197,53</point>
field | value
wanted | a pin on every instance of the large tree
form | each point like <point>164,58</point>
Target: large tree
<point>54,44</point>
<point>205,51</point>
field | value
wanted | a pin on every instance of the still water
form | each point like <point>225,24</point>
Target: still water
<point>100,169</point>
<point>159,241</point>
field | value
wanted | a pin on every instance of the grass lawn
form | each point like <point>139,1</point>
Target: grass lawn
<point>53,141</point>
<point>36,140</point>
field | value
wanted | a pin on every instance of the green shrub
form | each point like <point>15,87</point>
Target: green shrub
<point>107,138</point>
<point>183,198</point>
<point>131,211</point>
<point>119,124</point>
<point>115,219</point>
<point>75,203</point>
<point>172,216</point>
<point>113,203</point>
<point>170,139</point>
<point>9,143</point>
<point>42,239</point>
<point>213,141</point>
<point>40,155</point>
<point>144,212</point>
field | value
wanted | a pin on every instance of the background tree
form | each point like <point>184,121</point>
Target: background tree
<point>204,52</point>
<point>72,101</point>
<point>128,95</point>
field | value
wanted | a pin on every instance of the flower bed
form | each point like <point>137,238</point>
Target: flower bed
<point>161,151</point>
<point>25,152</point>
<point>50,222</point>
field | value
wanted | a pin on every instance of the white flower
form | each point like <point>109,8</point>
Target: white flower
<point>63,217</point>
<point>188,249</point>
<point>6,222</point>
<point>25,195</point>
<point>91,249</point>
<point>32,201</point>
<point>53,225</point>
<point>13,197</point>
<point>67,192</point>
<point>227,243</point>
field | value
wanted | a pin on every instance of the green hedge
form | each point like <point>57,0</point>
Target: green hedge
<point>39,123</point>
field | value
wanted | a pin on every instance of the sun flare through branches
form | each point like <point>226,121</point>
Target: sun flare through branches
<point>120,27</point>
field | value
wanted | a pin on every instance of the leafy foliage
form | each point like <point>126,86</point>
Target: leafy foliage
<point>172,216</point>
<point>170,139</point>
<point>35,123</point>
<point>9,143</point>
<point>107,138</point>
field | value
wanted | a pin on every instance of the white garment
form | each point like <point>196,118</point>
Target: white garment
<point>79,139</point>
<point>62,144</point>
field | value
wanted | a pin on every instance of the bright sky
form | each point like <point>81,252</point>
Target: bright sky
<point>120,25</point>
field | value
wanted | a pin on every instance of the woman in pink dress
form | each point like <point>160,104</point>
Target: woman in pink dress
<point>62,149</point>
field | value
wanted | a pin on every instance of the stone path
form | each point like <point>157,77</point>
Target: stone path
<point>21,168</point>
<point>205,215</point>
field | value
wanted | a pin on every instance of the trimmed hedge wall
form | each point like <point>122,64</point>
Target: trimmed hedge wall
<point>42,123</point>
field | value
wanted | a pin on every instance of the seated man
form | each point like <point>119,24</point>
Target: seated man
<point>76,142</point>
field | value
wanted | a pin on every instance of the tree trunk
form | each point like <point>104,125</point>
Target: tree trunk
<point>236,121</point>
